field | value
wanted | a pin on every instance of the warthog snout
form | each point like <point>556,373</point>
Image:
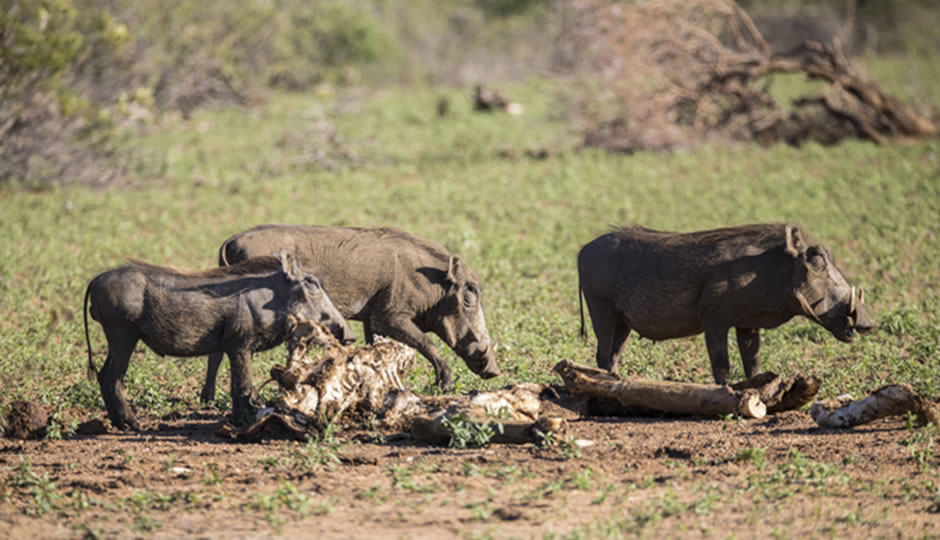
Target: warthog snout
<point>339,328</point>
<point>485,364</point>
<point>858,320</point>
<point>347,337</point>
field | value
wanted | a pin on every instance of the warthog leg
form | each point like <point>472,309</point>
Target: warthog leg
<point>611,331</point>
<point>212,370</point>
<point>749,346</point>
<point>716,341</point>
<point>367,332</point>
<point>121,344</point>
<point>240,365</point>
<point>405,331</point>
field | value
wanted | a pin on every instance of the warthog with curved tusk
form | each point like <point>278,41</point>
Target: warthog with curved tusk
<point>666,285</point>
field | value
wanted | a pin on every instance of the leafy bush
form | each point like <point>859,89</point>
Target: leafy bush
<point>72,72</point>
<point>47,129</point>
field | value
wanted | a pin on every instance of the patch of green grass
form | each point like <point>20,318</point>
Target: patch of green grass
<point>920,444</point>
<point>322,452</point>
<point>60,427</point>
<point>467,433</point>
<point>753,455</point>
<point>403,479</point>
<point>281,504</point>
<point>372,495</point>
<point>798,474</point>
<point>39,488</point>
<point>144,500</point>
<point>271,462</point>
<point>479,511</point>
<point>213,477</point>
<point>565,446</point>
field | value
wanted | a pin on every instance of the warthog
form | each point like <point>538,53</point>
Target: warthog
<point>236,310</point>
<point>667,285</point>
<point>398,285</point>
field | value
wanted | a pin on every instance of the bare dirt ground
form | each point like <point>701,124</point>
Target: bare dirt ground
<point>779,476</point>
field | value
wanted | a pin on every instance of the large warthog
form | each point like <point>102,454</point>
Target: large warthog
<point>234,310</point>
<point>666,285</point>
<point>398,285</point>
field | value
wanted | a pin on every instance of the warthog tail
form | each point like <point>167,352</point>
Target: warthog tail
<point>92,372</point>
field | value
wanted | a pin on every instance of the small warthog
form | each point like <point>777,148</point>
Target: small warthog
<point>666,285</point>
<point>398,285</point>
<point>236,310</point>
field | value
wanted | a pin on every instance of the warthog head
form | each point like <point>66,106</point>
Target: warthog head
<point>458,319</point>
<point>822,291</point>
<point>308,300</point>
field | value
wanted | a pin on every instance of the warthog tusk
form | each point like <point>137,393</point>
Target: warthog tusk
<point>807,310</point>
<point>861,295</point>
<point>852,304</point>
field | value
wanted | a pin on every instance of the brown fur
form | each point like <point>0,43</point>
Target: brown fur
<point>255,265</point>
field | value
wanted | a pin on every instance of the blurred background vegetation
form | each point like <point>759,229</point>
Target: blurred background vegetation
<point>75,74</point>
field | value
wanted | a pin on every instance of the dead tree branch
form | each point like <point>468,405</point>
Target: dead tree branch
<point>887,401</point>
<point>680,72</point>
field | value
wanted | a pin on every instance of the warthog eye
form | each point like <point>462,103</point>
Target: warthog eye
<point>816,258</point>
<point>471,294</point>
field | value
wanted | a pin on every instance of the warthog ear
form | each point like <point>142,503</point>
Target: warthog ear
<point>794,238</point>
<point>289,265</point>
<point>453,268</point>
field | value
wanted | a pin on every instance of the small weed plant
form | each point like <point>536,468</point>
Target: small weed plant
<point>467,433</point>
<point>752,455</point>
<point>567,447</point>
<point>43,491</point>
<point>286,497</point>
<point>322,452</point>
<point>404,480</point>
<point>60,428</point>
<point>920,444</point>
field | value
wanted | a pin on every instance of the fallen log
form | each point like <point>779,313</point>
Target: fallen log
<point>782,393</point>
<point>892,400</point>
<point>642,395</point>
<point>609,395</point>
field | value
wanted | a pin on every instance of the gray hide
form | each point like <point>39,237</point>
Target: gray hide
<point>665,285</point>
<point>398,285</point>
<point>234,310</point>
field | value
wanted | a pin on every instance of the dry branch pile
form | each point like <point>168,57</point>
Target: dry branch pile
<point>680,72</point>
